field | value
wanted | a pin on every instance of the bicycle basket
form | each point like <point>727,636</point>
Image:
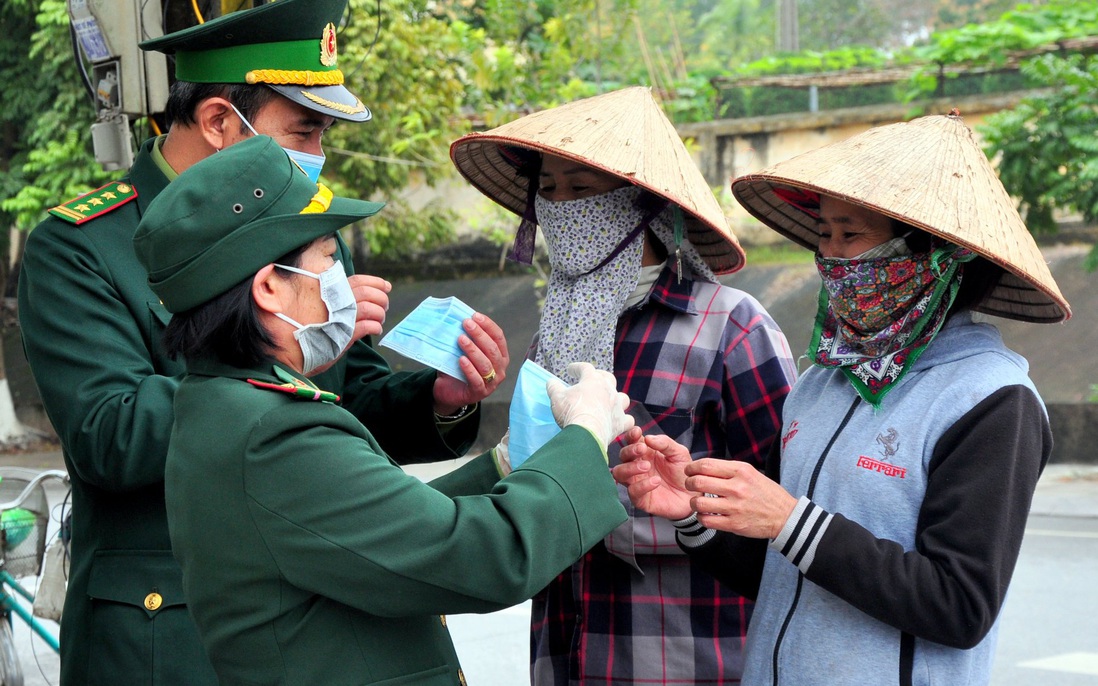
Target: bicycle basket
<point>22,529</point>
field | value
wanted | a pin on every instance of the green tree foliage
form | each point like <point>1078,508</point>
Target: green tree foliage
<point>439,67</point>
<point>990,44</point>
<point>46,115</point>
<point>521,56</point>
<point>952,14</point>
<point>409,73</point>
<point>1047,147</point>
<point>411,80</point>
<point>827,24</point>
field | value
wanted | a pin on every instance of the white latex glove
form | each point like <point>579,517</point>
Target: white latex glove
<point>502,456</point>
<point>593,402</point>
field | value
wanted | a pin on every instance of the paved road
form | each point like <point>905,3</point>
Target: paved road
<point>1049,632</point>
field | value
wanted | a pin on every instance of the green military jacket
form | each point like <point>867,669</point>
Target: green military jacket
<point>310,557</point>
<point>91,330</point>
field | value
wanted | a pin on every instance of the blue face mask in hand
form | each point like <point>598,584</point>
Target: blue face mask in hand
<point>531,416</point>
<point>324,342</point>
<point>429,334</point>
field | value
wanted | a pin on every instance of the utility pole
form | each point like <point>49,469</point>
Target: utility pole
<point>788,39</point>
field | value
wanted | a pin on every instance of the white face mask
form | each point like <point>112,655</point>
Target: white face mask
<point>307,162</point>
<point>324,342</point>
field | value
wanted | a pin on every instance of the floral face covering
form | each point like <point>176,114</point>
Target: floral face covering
<point>877,315</point>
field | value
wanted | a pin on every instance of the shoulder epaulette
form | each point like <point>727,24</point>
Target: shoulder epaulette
<point>298,390</point>
<point>96,203</point>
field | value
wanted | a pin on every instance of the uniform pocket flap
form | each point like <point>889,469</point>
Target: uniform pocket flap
<point>150,579</point>
<point>159,312</point>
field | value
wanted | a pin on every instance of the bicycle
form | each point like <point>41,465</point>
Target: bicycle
<point>24,519</point>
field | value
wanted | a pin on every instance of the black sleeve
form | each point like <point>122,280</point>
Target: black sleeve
<point>951,587</point>
<point>733,560</point>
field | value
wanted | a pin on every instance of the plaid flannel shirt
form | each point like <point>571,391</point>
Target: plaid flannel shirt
<point>706,365</point>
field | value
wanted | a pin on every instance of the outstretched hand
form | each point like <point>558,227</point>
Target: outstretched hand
<point>653,471</point>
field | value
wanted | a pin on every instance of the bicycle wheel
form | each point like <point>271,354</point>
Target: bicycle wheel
<point>11,672</point>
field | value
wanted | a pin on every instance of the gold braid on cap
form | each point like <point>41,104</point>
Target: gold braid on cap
<point>357,108</point>
<point>320,202</point>
<point>287,77</point>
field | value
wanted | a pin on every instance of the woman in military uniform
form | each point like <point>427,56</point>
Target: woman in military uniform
<point>309,556</point>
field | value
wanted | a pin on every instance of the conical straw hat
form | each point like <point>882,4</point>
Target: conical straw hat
<point>930,173</point>
<point>624,133</point>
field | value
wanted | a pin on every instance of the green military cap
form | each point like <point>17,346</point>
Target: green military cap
<point>231,214</point>
<point>289,45</point>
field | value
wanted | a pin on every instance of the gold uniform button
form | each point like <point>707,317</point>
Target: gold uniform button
<point>461,678</point>
<point>442,618</point>
<point>153,601</point>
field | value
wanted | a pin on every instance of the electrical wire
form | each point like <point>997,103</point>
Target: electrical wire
<point>379,158</point>
<point>80,64</point>
<point>141,19</point>
<point>197,12</point>
<point>377,34</point>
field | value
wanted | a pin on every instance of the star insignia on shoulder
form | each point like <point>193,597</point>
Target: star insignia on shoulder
<point>88,206</point>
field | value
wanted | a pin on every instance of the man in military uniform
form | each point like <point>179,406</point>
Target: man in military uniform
<point>92,327</point>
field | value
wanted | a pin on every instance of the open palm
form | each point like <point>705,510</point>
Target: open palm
<point>651,469</point>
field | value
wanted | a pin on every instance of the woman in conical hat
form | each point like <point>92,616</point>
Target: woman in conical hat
<point>910,449</point>
<point>635,238</point>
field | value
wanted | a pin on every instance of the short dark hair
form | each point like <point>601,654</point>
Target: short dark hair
<point>226,328</point>
<point>184,97</point>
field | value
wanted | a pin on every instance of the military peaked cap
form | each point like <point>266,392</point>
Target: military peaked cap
<point>289,45</point>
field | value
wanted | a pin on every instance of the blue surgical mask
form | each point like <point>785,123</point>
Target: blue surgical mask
<point>530,419</point>
<point>429,334</point>
<point>324,342</point>
<point>307,162</point>
<point>310,164</point>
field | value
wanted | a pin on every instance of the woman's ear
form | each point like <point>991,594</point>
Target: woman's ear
<point>269,290</point>
<point>213,117</point>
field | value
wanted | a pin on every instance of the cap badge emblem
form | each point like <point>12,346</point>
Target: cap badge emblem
<point>328,46</point>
